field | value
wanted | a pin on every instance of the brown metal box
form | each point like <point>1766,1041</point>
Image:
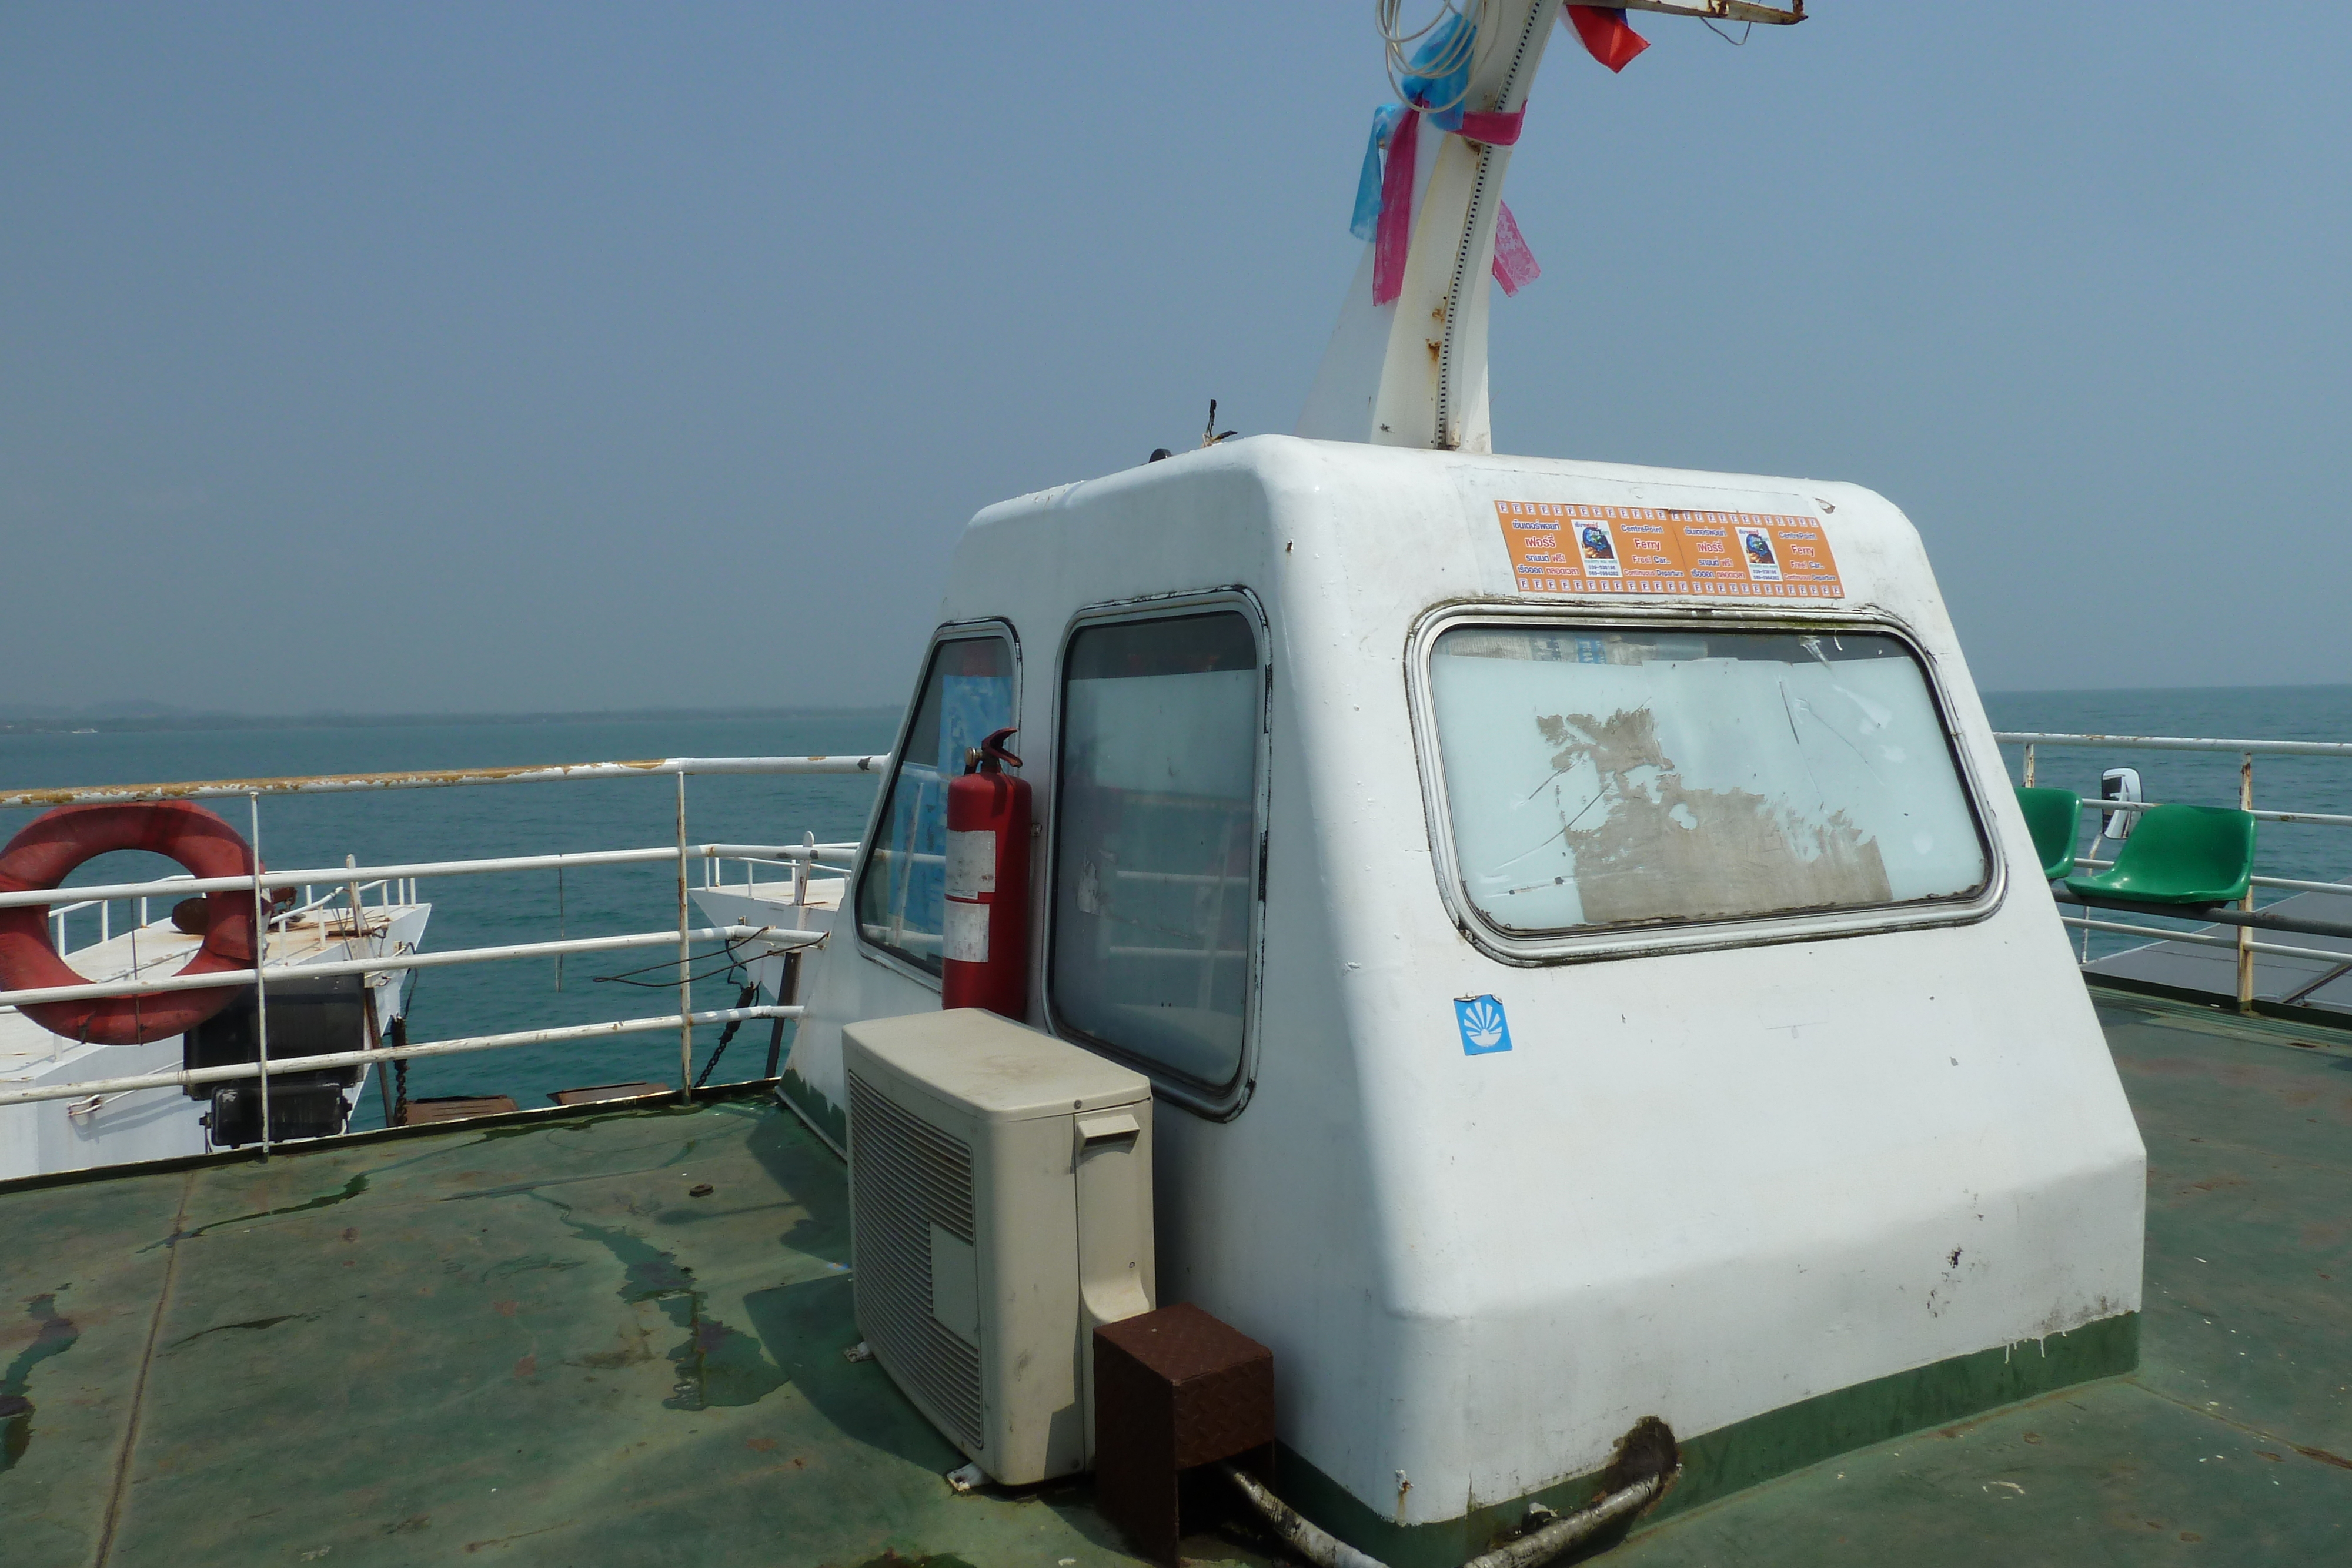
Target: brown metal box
<point>1174,1389</point>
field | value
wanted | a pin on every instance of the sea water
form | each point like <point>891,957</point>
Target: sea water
<point>382,827</point>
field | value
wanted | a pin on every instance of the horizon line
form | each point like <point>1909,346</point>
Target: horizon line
<point>163,717</point>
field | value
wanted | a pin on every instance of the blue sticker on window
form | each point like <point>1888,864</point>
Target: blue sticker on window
<point>1484,1029</point>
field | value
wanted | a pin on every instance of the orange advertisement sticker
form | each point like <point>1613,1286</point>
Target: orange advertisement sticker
<point>1571,547</point>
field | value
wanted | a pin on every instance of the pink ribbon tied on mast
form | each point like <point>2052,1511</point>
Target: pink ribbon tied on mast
<point>1514,265</point>
<point>1606,36</point>
<point>1392,244</point>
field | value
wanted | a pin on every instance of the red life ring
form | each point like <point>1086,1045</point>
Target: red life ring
<point>47,850</point>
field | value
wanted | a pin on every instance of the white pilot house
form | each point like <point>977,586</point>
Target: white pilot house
<point>1567,997</point>
<point>1586,959</point>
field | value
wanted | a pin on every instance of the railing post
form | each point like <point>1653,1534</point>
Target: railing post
<point>2245,932</point>
<point>684,983</point>
<point>261,974</point>
<point>370,1023</point>
<point>788,972</point>
<point>2029,765</point>
<point>383,1069</point>
<point>359,920</point>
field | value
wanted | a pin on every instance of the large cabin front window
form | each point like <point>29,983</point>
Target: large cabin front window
<point>1600,778</point>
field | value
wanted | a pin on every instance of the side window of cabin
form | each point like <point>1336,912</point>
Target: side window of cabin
<point>967,692</point>
<point>1156,854</point>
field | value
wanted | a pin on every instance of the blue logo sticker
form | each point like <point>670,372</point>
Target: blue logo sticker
<point>1484,1028</point>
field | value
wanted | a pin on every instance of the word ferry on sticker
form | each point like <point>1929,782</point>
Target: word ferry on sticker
<point>1559,547</point>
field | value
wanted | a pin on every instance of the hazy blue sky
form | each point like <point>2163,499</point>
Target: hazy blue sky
<point>467,357</point>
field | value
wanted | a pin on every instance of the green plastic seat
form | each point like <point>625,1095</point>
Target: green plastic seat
<point>2054,818</point>
<point>2179,854</point>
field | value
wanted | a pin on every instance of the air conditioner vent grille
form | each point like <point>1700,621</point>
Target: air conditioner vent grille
<point>910,1176</point>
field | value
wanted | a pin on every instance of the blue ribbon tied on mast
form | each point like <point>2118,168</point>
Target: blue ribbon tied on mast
<point>1435,87</point>
<point>1453,44</point>
<point>1366,221</point>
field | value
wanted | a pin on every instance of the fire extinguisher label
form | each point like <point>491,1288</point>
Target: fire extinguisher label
<point>965,940</point>
<point>972,862</point>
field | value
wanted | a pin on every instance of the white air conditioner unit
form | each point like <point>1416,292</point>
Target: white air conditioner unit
<point>1000,1198</point>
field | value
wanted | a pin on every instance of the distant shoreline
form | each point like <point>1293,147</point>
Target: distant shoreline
<point>120,724</point>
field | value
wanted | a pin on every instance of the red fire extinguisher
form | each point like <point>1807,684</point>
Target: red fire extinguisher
<point>985,944</point>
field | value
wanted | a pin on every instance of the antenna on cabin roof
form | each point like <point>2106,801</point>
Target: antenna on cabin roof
<point>1407,364</point>
<point>1210,434</point>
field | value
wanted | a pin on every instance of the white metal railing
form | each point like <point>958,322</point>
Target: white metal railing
<point>814,856</point>
<point>2245,918</point>
<point>1184,878</point>
<point>2089,923</point>
<point>438,778</point>
<point>903,937</point>
<point>387,890</point>
<point>2316,819</point>
<point>2177,743</point>
<point>2284,884</point>
<point>195,1075</point>
<point>348,886</point>
<point>409,873</point>
<point>388,963</point>
<point>311,900</point>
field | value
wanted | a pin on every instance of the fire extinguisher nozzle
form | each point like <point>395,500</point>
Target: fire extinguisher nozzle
<point>991,752</point>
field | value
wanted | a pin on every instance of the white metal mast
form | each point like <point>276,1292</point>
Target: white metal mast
<point>1412,373</point>
<point>1411,370</point>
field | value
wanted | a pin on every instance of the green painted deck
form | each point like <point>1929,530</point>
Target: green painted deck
<point>533,1343</point>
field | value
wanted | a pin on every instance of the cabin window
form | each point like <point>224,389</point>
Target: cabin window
<point>1156,854</point>
<point>967,693</point>
<point>1606,778</point>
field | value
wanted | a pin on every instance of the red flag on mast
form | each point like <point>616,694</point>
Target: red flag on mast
<point>1606,36</point>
